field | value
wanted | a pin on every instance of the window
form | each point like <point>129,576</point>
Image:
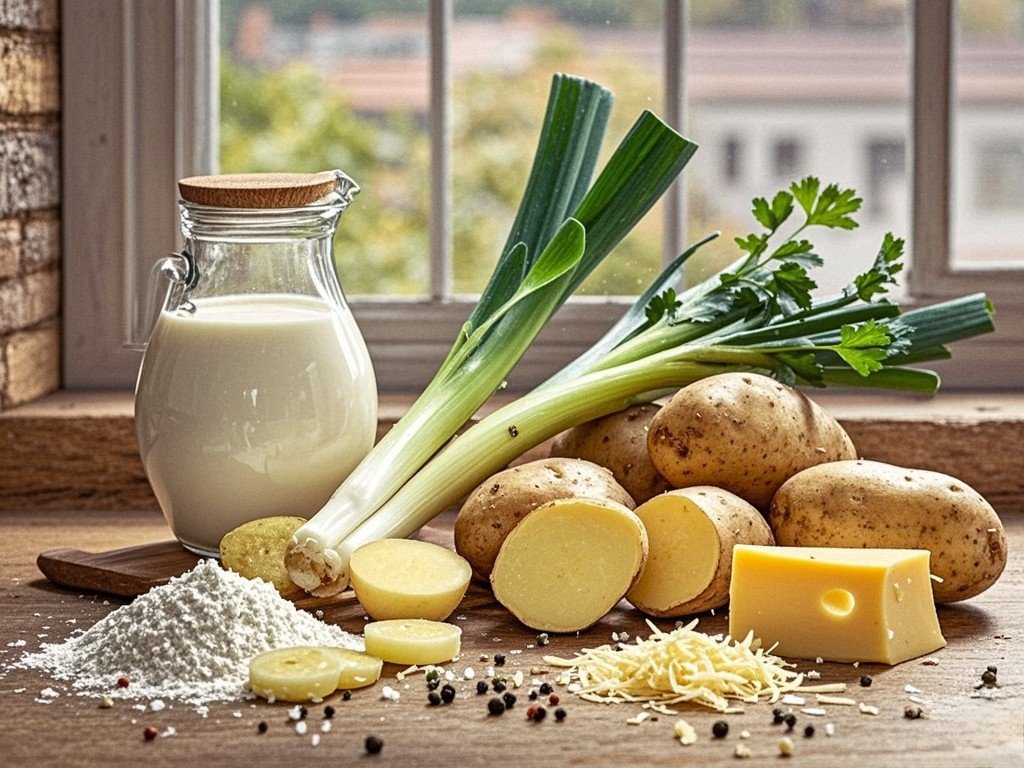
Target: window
<point>999,180</point>
<point>786,159</point>
<point>434,105</point>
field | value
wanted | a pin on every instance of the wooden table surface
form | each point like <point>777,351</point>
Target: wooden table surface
<point>960,731</point>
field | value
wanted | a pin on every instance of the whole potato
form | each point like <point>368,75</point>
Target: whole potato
<point>491,511</point>
<point>745,433</point>
<point>618,442</point>
<point>875,505</point>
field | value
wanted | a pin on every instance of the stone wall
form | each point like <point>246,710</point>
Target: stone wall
<point>29,199</point>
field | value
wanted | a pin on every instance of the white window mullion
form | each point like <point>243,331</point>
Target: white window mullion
<point>676,23</point>
<point>440,24</point>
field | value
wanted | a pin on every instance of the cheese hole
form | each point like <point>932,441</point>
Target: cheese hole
<point>838,602</point>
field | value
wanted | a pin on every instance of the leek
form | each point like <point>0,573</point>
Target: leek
<point>562,231</point>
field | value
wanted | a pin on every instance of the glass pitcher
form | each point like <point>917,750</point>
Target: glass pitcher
<point>256,395</point>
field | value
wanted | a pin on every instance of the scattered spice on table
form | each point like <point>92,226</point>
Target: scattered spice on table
<point>720,729</point>
<point>865,681</point>
<point>262,727</point>
<point>374,744</point>
<point>496,707</point>
<point>149,733</point>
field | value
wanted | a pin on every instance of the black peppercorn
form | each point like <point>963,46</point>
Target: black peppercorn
<point>790,721</point>
<point>778,716</point>
<point>499,660</point>
<point>720,729</point>
<point>498,686</point>
<point>509,699</point>
<point>992,668</point>
<point>346,695</point>
<point>545,689</point>
<point>559,714</point>
<point>374,744</point>
<point>539,714</point>
<point>496,707</point>
<point>481,687</point>
<point>433,698</point>
<point>448,694</point>
<point>433,684</point>
<point>328,712</point>
<point>808,731</point>
<point>262,727</point>
<point>865,681</point>
<point>988,677</point>
<point>303,713</point>
<point>533,695</point>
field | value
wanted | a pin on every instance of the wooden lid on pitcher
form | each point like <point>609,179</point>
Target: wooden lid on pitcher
<point>258,190</point>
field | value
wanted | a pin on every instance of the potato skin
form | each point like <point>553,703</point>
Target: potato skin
<point>871,504</point>
<point>618,442</point>
<point>498,504</point>
<point>736,522</point>
<point>745,433</point>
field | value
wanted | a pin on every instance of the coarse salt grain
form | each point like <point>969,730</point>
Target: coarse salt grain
<point>830,729</point>
<point>189,640</point>
<point>793,701</point>
<point>301,727</point>
<point>315,741</point>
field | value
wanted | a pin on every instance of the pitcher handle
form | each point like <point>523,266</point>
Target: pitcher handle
<point>173,276</point>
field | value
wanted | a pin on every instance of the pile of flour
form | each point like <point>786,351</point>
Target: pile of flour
<point>189,640</point>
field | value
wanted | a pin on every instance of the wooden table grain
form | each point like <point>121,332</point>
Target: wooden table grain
<point>960,731</point>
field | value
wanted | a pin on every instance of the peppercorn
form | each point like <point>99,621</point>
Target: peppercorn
<point>496,707</point>
<point>498,685</point>
<point>448,694</point>
<point>539,714</point>
<point>790,721</point>
<point>533,695</point>
<point>778,716</point>
<point>992,668</point>
<point>150,733</point>
<point>988,678</point>
<point>530,712</point>
<point>433,684</point>
<point>481,687</point>
<point>328,712</point>
<point>262,727</point>
<point>720,729</point>
<point>913,713</point>
<point>553,699</point>
<point>123,682</point>
<point>542,638</point>
<point>509,699</point>
<point>808,731</point>
<point>346,695</point>
<point>499,659</point>
<point>433,698</point>
<point>374,744</point>
<point>303,713</point>
<point>545,689</point>
<point>865,681</point>
<point>559,714</point>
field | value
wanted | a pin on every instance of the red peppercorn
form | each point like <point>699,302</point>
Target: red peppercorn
<point>553,698</point>
<point>123,682</point>
<point>530,712</point>
<point>149,733</point>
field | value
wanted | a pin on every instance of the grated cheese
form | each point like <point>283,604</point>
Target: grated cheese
<point>840,700</point>
<point>681,666</point>
<point>685,733</point>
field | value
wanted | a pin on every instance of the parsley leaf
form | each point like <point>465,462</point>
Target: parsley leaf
<point>792,282</point>
<point>864,346</point>
<point>663,305</point>
<point>888,263</point>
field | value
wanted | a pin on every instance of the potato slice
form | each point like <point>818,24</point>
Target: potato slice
<point>406,579</point>
<point>413,641</point>
<point>358,670</point>
<point>256,550</point>
<point>692,533</point>
<point>568,563</point>
<point>302,673</point>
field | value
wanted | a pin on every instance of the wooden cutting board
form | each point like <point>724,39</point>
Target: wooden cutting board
<point>132,571</point>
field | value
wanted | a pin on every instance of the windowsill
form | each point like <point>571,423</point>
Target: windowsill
<point>77,449</point>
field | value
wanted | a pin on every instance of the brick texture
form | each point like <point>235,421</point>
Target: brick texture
<point>29,200</point>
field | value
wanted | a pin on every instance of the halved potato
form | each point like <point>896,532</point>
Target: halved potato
<point>568,563</point>
<point>691,534</point>
<point>256,550</point>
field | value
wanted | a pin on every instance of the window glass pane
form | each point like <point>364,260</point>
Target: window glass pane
<point>503,55</point>
<point>777,91</point>
<point>988,157</point>
<point>310,86</point>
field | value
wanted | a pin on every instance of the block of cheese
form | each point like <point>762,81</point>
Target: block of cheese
<point>839,604</point>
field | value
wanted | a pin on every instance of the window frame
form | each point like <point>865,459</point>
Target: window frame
<point>140,111</point>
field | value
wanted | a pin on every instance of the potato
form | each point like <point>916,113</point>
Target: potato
<point>876,505</point>
<point>617,442</point>
<point>406,579</point>
<point>256,550</point>
<point>413,641</point>
<point>691,533</point>
<point>568,563</point>
<point>497,505</point>
<point>745,433</point>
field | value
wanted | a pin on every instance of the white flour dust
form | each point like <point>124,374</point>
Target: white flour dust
<point>189,640</point>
